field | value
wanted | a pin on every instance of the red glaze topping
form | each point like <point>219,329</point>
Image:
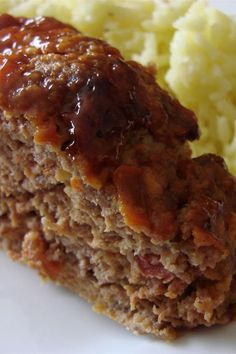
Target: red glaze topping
<point>81,95</point>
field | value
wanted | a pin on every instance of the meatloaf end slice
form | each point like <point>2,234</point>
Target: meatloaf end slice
<point>98,189</point>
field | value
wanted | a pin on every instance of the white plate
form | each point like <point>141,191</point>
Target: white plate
<point>38,318</point>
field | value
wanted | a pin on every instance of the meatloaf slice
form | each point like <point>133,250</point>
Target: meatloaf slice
<point>98,189</point>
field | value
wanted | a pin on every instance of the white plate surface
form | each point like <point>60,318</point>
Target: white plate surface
<point>38,318</point>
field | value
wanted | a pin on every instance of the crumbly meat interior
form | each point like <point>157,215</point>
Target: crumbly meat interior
<point>98,190</point>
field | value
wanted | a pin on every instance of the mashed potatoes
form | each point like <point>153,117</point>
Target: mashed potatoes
<point>202,74</point>
<point>193,45</point>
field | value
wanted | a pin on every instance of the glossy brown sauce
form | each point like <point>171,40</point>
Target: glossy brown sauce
<point>80,94</point>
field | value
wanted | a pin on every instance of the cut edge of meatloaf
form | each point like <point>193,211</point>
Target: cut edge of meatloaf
<point>116,210</point>
<point>81,242</point>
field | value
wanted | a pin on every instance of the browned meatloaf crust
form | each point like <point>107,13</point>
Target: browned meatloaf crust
<point>98,189</point>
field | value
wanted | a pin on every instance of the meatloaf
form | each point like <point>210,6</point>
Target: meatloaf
<point>98,190</point>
